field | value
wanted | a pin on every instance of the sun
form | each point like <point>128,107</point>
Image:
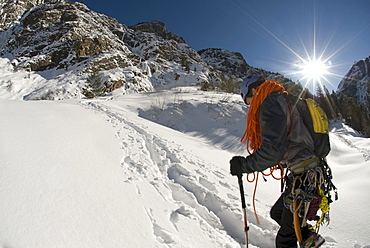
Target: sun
<point>311,63</point>
<point>314,70</point>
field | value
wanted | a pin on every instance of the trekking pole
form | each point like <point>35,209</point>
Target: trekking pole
<point>244,206</point>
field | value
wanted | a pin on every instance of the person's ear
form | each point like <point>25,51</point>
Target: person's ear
<point>254,91</point>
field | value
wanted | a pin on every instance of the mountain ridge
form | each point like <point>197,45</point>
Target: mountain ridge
<point>55,45</point>
<point>67,39</point>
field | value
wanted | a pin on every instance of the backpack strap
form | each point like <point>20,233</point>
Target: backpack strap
<point>291,115</point>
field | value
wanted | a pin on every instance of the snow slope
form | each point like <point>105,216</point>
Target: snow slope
<point>150,170</point>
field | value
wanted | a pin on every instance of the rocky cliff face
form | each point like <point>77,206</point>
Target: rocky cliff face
<point>233,63</point>
<point>12,10</point>
<point>158,28</point>
<point>56,44</point>
<point>58,35</point>
<point>225,61</point>
<point>64,36</point>
<point>356,82</point>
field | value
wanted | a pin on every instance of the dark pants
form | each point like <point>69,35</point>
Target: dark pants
<point>285,237</point>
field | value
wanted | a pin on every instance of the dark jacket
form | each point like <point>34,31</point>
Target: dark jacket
<point>280,144</point>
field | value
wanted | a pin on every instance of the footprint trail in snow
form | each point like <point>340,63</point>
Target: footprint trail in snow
<point>186,181</point>
<point>189,187</point>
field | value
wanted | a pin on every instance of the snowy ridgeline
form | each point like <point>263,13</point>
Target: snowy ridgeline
<point>151,170</point>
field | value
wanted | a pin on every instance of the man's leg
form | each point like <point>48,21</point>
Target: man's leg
<point>285,237</point>
<point>277,210</point>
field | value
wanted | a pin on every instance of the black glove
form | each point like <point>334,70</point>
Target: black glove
<point>239,165</point>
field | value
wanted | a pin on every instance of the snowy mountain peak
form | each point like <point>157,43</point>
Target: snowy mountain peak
<point>356,82</point>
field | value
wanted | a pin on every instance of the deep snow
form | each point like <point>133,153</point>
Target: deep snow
<point>151,170</point>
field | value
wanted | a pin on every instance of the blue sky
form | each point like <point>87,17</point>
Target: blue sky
<point>270,34</point>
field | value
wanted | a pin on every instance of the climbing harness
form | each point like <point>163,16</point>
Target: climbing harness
<point>310,193</point>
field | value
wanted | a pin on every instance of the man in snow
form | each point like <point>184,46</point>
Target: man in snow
<point>274,139</point>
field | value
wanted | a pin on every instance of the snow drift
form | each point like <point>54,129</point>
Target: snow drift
<point>150,170</point>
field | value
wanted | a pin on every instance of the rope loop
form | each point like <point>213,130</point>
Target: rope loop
<point>253,179</point>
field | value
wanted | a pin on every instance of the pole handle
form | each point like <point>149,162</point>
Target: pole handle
<point>241,187</point>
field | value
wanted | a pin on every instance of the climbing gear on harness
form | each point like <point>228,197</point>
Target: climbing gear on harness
<point>310,193</point>
<point>297,227</point>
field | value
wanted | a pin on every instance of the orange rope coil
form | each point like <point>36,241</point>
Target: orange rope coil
<point>252,134</point>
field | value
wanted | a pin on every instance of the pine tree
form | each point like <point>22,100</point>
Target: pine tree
<point>335,105</point>
<point>185,63</point>
<point>324,100</point>
<point>352,113</point>
<point>365,120</point>
<point>95,85</point>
